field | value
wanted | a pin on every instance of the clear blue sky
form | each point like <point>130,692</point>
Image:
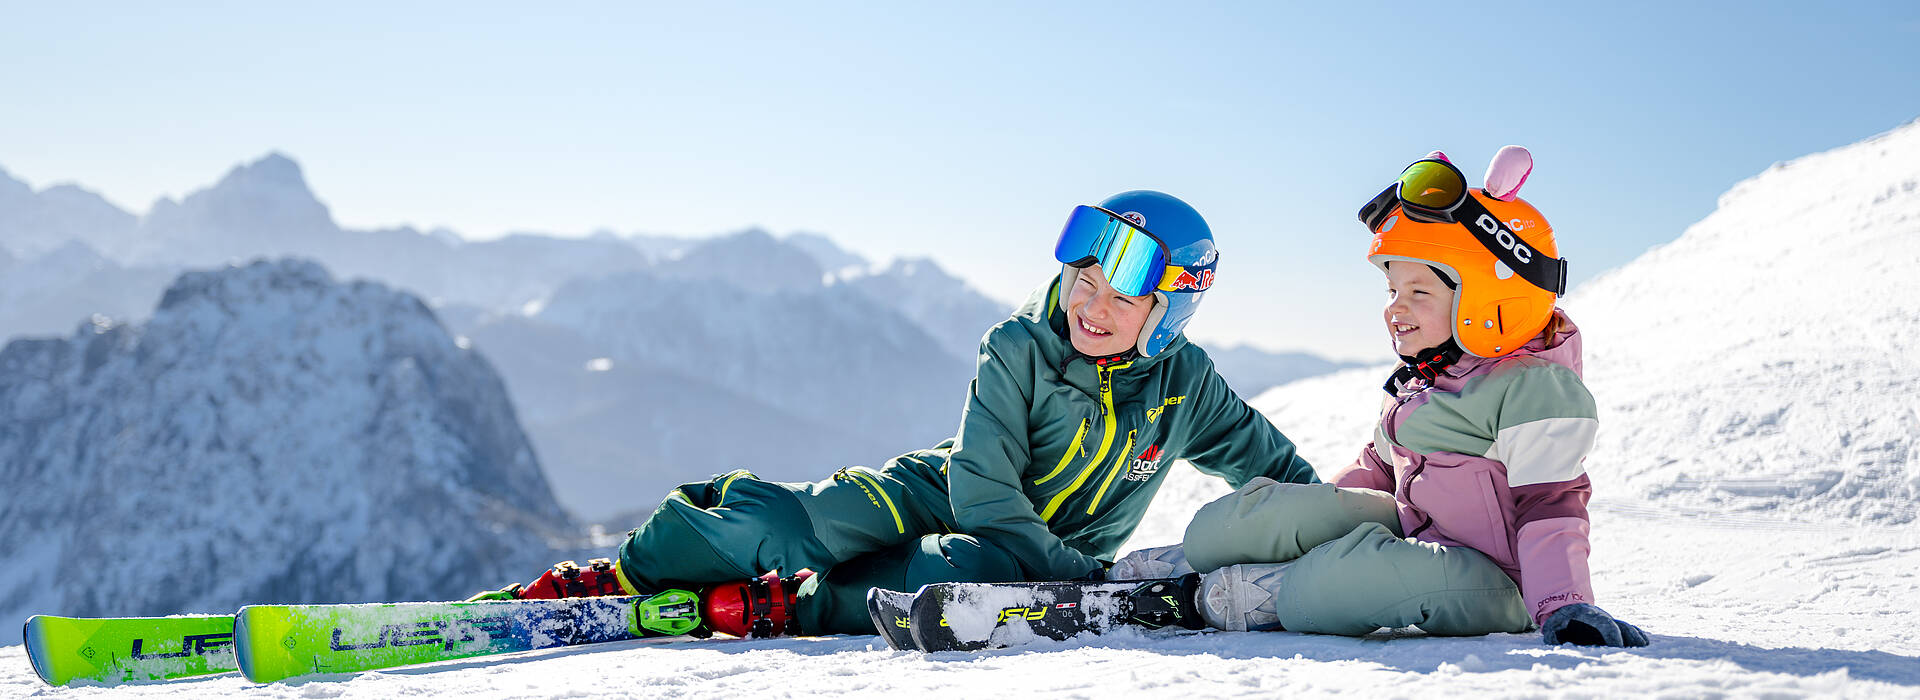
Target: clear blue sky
<point>961,131</point>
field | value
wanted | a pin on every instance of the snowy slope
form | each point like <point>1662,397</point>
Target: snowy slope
<point>1765,359</point>
<point>1251,371</point>
<point>1822,616</point>
<point>270,435</point>
<point>1761,364</point>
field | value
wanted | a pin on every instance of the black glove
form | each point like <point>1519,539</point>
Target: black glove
<point>1099,573</point>
<point>1587,625</point>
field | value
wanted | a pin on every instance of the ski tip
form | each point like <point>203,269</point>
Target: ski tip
<point>241,655</point>
<point>889,612</point>
<point>34,633</point>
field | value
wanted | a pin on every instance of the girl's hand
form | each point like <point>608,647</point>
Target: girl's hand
<point>1587,625</point>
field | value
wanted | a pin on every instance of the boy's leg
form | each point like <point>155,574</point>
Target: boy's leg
<point>836,602</point>
<point>737,526</point>
<point>1268,521</point>
<point>1368,579</point>
<point>734,526</point>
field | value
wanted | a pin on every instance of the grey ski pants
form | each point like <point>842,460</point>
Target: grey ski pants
<point>1318,558</point>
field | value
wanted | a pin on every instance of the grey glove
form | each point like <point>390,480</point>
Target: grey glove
<point>1587,625</point>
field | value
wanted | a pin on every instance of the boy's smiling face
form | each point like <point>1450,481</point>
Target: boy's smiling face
<point>1100,320</point>
<point>1419,313</point>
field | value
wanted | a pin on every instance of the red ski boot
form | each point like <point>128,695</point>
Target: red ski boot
<point>565,580</point>
<point>757,607</point>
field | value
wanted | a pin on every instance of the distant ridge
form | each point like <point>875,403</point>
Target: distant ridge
<point>270,435</point>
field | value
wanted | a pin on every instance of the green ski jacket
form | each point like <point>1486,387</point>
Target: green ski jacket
<point>1057,458</point>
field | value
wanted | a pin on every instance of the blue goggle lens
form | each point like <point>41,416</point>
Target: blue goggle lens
<point>1133,260</point>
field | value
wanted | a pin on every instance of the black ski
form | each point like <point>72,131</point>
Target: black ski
<point>890,611</point>
<point>971,616</point>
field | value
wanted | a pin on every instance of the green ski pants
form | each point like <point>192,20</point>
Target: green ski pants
<point>1351,571</point>
<point>858,529</point>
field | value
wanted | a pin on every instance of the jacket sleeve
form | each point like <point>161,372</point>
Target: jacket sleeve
<point>1367,472</point>
<point>1232,441</point>
<point>1546,427</point>
<point>991,454</point>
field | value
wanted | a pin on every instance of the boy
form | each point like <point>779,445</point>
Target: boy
<point>1078,401</point>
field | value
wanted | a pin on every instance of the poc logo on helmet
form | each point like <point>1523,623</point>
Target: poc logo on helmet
<point>1506,238</point>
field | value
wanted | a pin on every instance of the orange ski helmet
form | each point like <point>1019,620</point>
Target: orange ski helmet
<point>1495,245</point>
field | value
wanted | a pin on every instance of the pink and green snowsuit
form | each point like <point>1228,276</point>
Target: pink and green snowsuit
<point>1465,515</point>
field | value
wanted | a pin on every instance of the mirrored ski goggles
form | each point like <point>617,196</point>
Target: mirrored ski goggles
<point>1133,260</point>
<point>1429,190</point>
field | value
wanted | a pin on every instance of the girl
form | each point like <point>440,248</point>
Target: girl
<point>1467,513</point>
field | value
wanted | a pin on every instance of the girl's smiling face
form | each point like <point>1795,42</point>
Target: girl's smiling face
<point>1100,320</point>
<point>1419,313</point>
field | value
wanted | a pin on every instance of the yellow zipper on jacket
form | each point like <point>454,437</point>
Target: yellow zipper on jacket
<point>1072,451</point>
<point>1106,440</point>
<point>1115,471</point>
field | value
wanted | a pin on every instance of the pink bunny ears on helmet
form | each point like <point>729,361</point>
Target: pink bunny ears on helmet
<point>1505,174</point>
<point>1508,172</point>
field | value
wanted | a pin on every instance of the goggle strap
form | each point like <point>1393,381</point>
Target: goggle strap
<point>1547,273</point>
<point>1375,211</point>
<point>1199,278</point>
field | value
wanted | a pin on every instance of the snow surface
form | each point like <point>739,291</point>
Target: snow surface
<point>1739,608</point>
<point>1754,510</point>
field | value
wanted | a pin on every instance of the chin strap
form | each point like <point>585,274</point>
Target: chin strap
<point>1426,364</point>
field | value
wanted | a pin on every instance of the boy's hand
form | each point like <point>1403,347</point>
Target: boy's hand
<point>1587,625</point>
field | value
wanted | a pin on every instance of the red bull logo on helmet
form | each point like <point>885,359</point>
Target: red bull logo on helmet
<point>1135,218</point>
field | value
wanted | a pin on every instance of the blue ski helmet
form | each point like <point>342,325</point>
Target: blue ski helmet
<point>1185,276</point>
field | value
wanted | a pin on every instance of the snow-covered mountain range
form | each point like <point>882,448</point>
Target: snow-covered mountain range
<point>638,361</point>
<point>268,435</point>
<point>643,382</point>
<point>34,223</point>
<point>56,288</point>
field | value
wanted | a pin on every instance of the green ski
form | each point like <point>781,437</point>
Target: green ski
<point>122,649</point>
<point>274,642</point>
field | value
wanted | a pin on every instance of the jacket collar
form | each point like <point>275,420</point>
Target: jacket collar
<point>1559,343</point>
